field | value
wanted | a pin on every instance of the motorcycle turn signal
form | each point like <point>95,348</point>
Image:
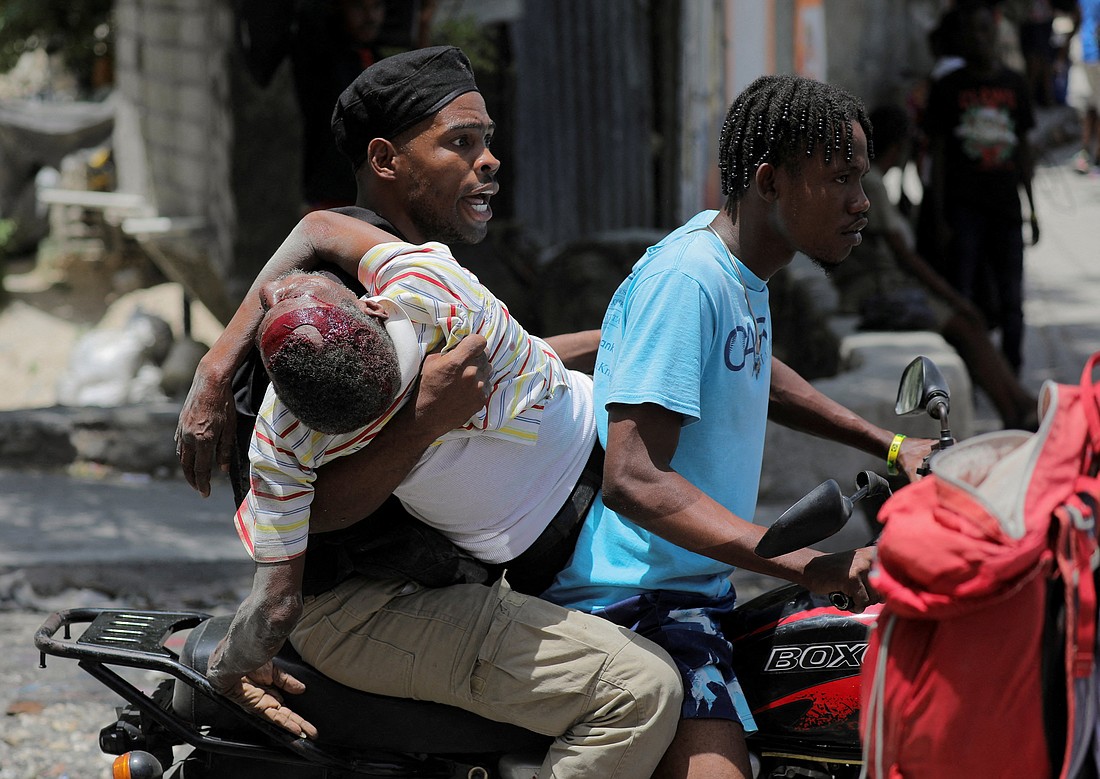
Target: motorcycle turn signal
<point>136,765</point>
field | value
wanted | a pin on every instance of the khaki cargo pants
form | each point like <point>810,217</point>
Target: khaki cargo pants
<point>611,698</point>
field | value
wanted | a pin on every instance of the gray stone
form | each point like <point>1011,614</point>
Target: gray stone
<point>135,439</point>
<point>35,438</point>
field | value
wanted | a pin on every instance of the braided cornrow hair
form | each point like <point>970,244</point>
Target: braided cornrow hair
<point>782,119</point>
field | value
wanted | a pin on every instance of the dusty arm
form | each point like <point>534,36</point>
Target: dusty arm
<point>241,666</point>
<point>577,350</point>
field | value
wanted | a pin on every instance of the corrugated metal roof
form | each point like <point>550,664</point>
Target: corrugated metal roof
<point>583,118</point>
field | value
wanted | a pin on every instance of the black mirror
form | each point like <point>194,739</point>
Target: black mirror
<point>870,485</point>
<point>817,516</point>
<point>922,387</point>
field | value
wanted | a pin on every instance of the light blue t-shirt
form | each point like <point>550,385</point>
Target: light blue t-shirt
<point>678,333</point>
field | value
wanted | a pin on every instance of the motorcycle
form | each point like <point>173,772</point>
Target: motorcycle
<point>797,656</point>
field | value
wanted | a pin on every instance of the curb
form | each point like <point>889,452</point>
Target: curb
<point>152,584</point>
<point>134,439</point>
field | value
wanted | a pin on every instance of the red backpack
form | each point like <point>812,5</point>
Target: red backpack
<point>982,662</point>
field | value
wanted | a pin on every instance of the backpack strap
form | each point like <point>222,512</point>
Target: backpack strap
<point>874,721</point>
<point>1078,522</point>
<point>1077,557</point>
<point>1090,400</point>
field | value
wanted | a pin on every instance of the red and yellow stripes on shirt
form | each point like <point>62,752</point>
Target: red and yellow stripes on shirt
<point>445,303</point>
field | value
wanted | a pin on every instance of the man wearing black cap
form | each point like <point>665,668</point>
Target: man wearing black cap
<point>418,133</point>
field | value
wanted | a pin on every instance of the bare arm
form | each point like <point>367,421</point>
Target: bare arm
<point>205,429</point>
<point>577,350</point>
<point>640,483</point>
<point>921,270</point>
<point>241,666</point>
<point>794,403</point>
<point>1026,161</point>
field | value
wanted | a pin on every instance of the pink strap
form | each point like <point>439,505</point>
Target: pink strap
<point>1090,399</point>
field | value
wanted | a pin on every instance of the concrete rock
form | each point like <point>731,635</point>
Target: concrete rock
<point>35,438</point>
<point>136,439</point>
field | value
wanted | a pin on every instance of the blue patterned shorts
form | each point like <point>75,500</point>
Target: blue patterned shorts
<point>688,627</point>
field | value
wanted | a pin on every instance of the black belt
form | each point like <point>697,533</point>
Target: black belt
<point>534,570</point>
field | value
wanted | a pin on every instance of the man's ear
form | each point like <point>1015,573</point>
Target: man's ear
<point>380,158</point>
<point>767,181</point>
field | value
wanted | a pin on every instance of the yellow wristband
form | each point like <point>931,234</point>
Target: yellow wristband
<point>892,455</point>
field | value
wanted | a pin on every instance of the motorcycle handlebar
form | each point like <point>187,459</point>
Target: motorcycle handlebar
<point>840,601</point>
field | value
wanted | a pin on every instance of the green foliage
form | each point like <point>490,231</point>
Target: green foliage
<point>7,230</point>
<point>79,29</point>
<point>464,32</point>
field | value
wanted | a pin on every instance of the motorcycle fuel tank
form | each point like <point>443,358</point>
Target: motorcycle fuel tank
<point>798,660</point>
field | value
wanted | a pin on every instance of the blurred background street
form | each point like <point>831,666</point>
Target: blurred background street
<point>153,155</point>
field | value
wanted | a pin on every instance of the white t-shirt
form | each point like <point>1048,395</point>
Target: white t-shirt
<point>507,490</point>
<point>493,497</point>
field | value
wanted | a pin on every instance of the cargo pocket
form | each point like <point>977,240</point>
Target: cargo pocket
<point>540,663</point>
<point>334,636</point>
<point>355,659</point>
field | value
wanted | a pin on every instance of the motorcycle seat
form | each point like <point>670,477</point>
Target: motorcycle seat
<point>351,718</point>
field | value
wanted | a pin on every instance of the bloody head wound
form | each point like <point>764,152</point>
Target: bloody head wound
<point>334,367</point>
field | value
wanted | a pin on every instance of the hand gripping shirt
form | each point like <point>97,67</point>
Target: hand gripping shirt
<point>679,333</point>
<point>434,303</point>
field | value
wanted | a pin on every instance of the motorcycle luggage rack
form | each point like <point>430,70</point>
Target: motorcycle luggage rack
<point>137,631</point>
<point>134,638</point>
<point>121,637</point>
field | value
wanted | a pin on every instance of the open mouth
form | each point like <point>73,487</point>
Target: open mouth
<point>479,204</point>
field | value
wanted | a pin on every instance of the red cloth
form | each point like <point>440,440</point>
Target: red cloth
<point>952,678</point>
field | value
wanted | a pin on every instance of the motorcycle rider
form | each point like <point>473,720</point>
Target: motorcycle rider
<point>417,130</point>
<point>844,576</point>
<point>685,381</point>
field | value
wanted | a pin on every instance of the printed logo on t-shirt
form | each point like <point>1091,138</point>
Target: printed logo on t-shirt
<point>986,128</point>
<point>741,344</point>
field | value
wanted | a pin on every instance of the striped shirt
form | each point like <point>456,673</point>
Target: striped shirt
<point>445,303</point>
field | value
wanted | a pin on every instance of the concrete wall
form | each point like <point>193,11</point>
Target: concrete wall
<point>201,141</point>
<point>877,49</point>
<point>175,128</point>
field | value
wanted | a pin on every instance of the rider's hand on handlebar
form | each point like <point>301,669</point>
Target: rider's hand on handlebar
<point>912,454</point>
<point>844,572</point>
<point>206,429</point>
<point>261,693</point>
